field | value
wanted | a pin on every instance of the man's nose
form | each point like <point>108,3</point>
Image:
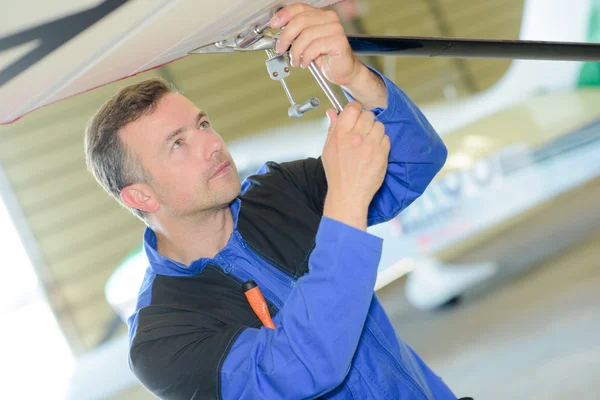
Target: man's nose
<point>214,147</point>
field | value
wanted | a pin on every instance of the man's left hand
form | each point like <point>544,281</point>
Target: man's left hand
<point>318,36</point>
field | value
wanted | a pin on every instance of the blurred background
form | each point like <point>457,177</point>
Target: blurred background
<point>492,276</point>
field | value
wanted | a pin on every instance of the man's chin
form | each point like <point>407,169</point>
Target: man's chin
<point>235,191</point>
<point>223,196</point>
<point>230,186</point>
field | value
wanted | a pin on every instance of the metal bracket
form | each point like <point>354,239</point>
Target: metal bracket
<point>231,46</point>
<point>279,69</point>
<point>277,66</point>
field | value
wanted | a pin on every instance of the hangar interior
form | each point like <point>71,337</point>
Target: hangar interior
<point>527,333</point>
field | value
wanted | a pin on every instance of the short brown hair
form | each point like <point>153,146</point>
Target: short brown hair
<point>114,165</point>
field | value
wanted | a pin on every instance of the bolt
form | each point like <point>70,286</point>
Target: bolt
<point>286,69</point>
<point>275,74</point>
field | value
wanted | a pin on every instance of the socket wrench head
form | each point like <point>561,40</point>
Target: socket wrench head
<point>298,110</point>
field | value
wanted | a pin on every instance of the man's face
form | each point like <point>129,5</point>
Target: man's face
<point>190,167</point>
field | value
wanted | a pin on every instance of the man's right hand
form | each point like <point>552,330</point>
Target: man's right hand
<point>355,158</point>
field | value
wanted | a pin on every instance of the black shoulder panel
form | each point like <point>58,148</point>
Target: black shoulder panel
<point>184,334</point>
<point>281,211</point>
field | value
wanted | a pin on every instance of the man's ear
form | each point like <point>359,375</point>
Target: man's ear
<point>139,196</point>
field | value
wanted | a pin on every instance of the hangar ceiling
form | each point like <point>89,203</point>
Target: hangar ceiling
<point>77,235</point>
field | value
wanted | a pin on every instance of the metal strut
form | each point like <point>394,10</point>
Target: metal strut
<point>335,101</point>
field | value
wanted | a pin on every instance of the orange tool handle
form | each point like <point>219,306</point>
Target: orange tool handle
<point>258,303</point>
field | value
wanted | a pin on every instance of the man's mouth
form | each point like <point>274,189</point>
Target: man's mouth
<point>222,169</point>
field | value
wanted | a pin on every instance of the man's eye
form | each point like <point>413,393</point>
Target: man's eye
<point>204,124</point>
<point>177,143</point>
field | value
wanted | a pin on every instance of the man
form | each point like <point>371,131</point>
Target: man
<point>297,229</point>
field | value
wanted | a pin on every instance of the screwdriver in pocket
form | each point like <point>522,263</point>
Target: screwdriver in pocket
<point>258,303</point>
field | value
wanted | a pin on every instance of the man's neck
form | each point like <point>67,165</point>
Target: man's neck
<point>190,238</point>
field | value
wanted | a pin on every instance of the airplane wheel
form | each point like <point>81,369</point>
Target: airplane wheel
<point>452,303</point>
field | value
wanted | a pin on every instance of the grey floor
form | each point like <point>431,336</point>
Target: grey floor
<point>536,336</point>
